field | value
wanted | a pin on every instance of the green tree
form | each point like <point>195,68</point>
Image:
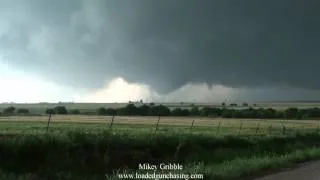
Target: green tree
<point>176,112</point>
<point>144,110</point>
<point>208,111</point>
<point>236,113</point>
<point>163,110</point>
<point>270,113</point>
<point>291,113</point>
<point>302,114</point>
<point>102,111</point>
<point>226,113</point>
<point>313,112</point>
<point>185,112</point>
<point>9,110</point>
<point>215,111</point>
<point>266,113</point>
<point>23,111</point>
<point>153,111</point>
<point>195,111</point>
<point>74,111</point>
<point>279,114</point>
<point>60,110</point>
<point>249,113</point>
<point>50,111</point>
<point>233,104</point>
<point>159,110</point>
<point>245,104</point>
<point>111,111</point>
<point>205,111</point>
<point>131,109</point>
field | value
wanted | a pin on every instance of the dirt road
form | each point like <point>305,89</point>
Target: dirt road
<point>308,171</point>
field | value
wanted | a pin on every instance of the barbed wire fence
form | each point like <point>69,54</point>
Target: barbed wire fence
<point>221,126</point>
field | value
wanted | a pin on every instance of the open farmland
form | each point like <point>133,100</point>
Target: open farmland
<point>87,147</point>
<point>215,126</point>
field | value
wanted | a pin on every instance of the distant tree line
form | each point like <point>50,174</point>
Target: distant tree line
<point>156,110</point>
<point>13,111</point>
<point>61,110</point>
<point>254,113</point>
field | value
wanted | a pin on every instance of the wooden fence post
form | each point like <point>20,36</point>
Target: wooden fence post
<point>218,127</point>
<point>270,129</point>
<point>283,129</point>
<point>112,120</point>
<point>192,125</point>
<point>48,122</point>
<point>157,125</point>
<point>240,128</point>
<point>258,126</point>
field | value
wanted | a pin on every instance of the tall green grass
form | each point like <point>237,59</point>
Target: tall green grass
<point>78,155</point>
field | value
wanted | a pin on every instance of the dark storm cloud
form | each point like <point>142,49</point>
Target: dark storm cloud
<point>168,43</point>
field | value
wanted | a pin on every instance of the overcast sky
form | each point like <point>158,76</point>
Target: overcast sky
<point>159,50</point>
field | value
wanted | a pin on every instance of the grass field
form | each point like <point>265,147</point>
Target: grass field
<point>89,146</point>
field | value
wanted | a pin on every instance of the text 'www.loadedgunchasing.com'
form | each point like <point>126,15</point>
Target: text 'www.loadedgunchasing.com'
<point>158,176</point>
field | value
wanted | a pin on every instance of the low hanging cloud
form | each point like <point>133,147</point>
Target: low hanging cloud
<point>119,90</point>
